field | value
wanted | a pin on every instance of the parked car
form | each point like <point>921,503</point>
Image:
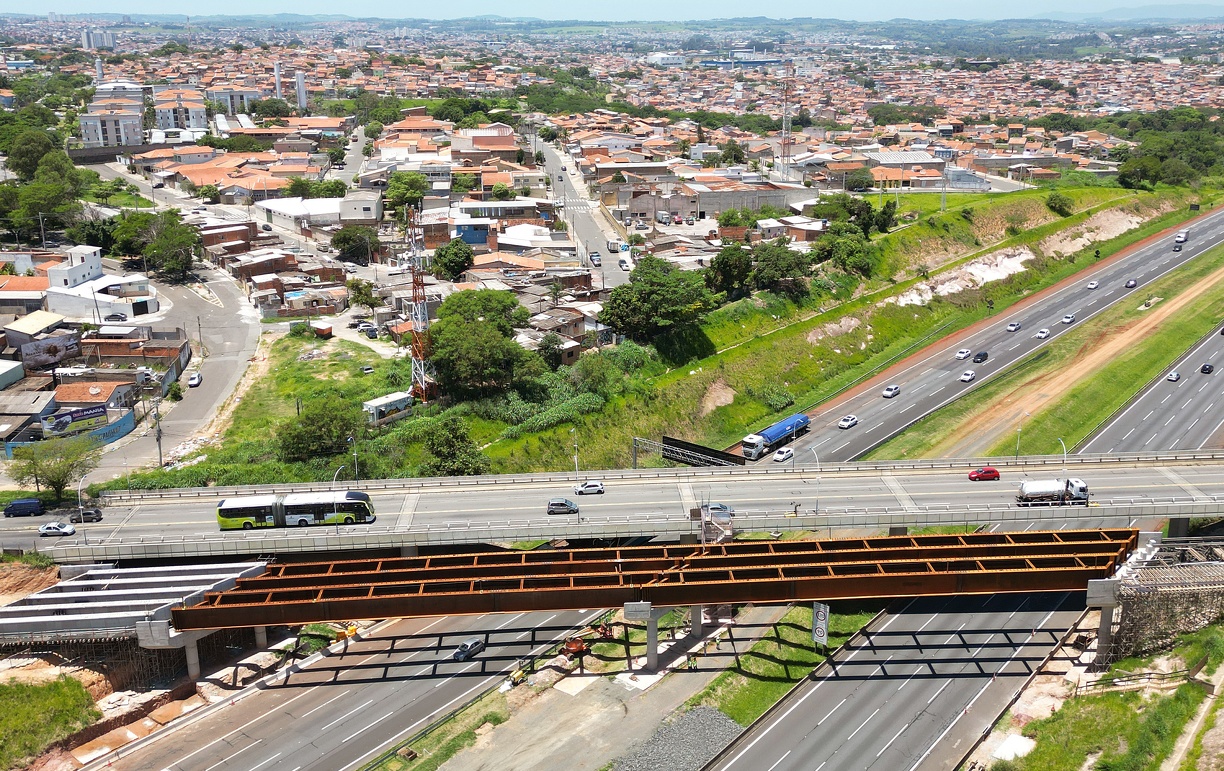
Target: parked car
<point>1069,318</point>
<point>24,507</point>
<point>596,260</point>
<point>1173,377</point>
<point>689,221</point>
<point>850,421</point>
<point>984,474</point>
<point>56,528</point>
<point>158,185</point>
<point>589,487</point>
<point>980,357</point>
<point>266,227</point>
<point>783,455</point>
<point>195,380</point>
<point>371,333</point>
<point>562,506</point>
<point>1042,334</point>
<point>116,317</point>
<point>891,391</point>
<point>367,370</point>
<point>964,353</point>
<point>1207,369</point>
<point>1014,326</point>
<point>468,648</point>
<point>1093,284</point>
<point>967,376</point>
<point>86,515</point>
<point>623,263</point>
<point>641,225</point>
<point>1131,283</point>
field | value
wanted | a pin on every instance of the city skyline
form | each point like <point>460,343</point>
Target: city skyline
<point>638,10</point>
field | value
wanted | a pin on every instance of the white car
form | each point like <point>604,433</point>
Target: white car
<point>591,487</point>
<point>1014,326</point>
<point>967,376</point>
<point>1069,318</point>
<point>195,380</point>
<point>1042,334</point>
<point>1093,284</point>
<point>56,528</point>
<point>1173,377</point>
<point>783,455</point>
<point>850,421</point>
<point>964,353</point>
<point>891,391</point>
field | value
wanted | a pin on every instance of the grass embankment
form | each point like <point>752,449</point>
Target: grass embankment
<point>1122,731</point>
<point>771,667</point>
<point>449,738</point>
<point>33,717</point>
<point>121,201</point>
<point>1081,410</point>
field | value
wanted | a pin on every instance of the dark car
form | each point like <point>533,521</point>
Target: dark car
<point>116,317</point>
<point>468,648</point>
<point>596,260</point>
<point>984,474</point>
<point>159,185</point>
<point>1207,369</point>
<point>980,357</point>
<point>1177,247</point>
<point>24,507</point>
<point>371,333</point>
<point>266,227</point>
<point>85,515</point>
<point>1131,283</point>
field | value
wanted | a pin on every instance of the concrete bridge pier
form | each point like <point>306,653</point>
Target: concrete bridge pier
<point>1179,527</point>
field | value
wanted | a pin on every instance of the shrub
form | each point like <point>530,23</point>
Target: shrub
<point>1060,203</point>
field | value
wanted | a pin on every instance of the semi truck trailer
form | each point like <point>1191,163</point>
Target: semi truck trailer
<point>1053,492</point>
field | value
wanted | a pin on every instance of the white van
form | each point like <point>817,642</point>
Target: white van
<point>663,217</point>
<point>1181,236</point>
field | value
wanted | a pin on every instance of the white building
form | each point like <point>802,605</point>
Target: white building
<point>660,59</point>
<point>94,300</point>
<point>236,99</point>
<point>180,108</point>
<point>115,117</point>
<point>83,263</point>
<point>361,207</point>
<point>299,214</point>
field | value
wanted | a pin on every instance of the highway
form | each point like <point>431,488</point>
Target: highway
<point>630,498</point>
<point>347,708</point>
<point>1172,415</point>
<point>934,380</point>
<point>938,665</point>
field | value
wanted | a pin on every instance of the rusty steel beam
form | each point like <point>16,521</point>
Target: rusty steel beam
<point>978,563</point>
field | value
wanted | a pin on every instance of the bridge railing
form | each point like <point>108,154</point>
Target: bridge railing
<point>722,472</point>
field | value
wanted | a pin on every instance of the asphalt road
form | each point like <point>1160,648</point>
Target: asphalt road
<point>345,709</point>
<point>941,664</point>
<point>934,380</point>
<point>642,498</point>
<point>1183,414</point>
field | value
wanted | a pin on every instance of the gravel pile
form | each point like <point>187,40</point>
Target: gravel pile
<point>684,744</point>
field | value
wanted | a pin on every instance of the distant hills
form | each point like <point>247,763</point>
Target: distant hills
<point>1174,12</point>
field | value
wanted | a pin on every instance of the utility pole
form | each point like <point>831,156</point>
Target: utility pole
<point>157,434</point>
<point>200,328</point>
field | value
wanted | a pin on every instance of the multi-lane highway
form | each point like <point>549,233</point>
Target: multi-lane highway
<point>924,672</point>
<point>345,709</point>
<point>1172,414</point>
<point>934,380</point>
<point>641,498</point>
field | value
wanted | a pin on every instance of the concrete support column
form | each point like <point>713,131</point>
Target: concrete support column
<point>193,659</point>
<point>652,644</point>
<point>1103,594</point>
<point>1105,632</point>
<point>697,621</point>
<point>898,530</point>
<point>261,637</point>
<point>1179,527</point>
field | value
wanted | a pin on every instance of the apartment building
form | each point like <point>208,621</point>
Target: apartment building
<point>180,108</point>
<point>237,99</point>
<point>115,117</point>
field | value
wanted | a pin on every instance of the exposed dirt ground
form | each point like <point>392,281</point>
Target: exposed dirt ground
<point>719,394</point>
<point>990,423</point>
<point>18,580</point>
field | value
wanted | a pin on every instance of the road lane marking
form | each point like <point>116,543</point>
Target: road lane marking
<point>236,730</point>
<point>890,741</point>
<point>835,449</point>
<point>324,704</point>
<point>873,428</point>
<point>1145,417</point>
<point>826,717</point>
<point>407,510</point>
<point>368,726</point>
<point>441,683</point>
<point>906,407</point>
<point>266,762</point>
<point>865,722</point>
<point>345,715</point>
<point>231,757</point>
<point>775,765</point>
<point>1182,482</point>
<point>903,497</point>
<point>688,500</point>
<point>507,621</point>
<point>941,689</point>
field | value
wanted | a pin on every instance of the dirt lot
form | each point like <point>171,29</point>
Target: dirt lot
<point>990,423</point>
<point>18,580</point>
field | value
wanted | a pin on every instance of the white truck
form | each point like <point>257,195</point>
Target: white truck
<point>1053,492</point>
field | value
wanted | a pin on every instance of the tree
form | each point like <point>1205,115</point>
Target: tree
<point>298,187</point>
<point>550,350</point>
<point>356,243</point>
<point>733,152</point>
<point>1060,203</point>
<point>472,358</point>
<point>373,129</point>
<point>886,217</point>
<point>56,167</point>
<point>27,149</point>
<point>321,429</point>
<point>209,193</point>
<point>859,179</point>
<point>729,270</point>
<point>658,298</point>
<point>55,463</point>
<point>361,292</point>
<point>463,183</point>
<point>271,108</point>
<point>452,259</point>
<point>452,451</point>
<point>172,247</point>
<point>406,187</point>
<point>497,307</point>
<point>367,149</point>
<point>336,155</point>
<point>778,267</point>
<point>502,192</point>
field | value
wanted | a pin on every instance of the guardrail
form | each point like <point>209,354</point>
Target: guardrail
<point>351,537</point>
<point>112,497</point>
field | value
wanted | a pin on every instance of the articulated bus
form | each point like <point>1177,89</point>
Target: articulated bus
<point>343,507</point>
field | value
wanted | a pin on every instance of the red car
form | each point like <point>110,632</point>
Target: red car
<point>984,474</point>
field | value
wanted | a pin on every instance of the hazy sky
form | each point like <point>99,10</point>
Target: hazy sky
<point>866,10</point>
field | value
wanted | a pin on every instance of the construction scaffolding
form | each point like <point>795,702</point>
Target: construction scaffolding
<point>1178,590</point>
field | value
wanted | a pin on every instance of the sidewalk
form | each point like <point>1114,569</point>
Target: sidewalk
<point>607,717</point>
